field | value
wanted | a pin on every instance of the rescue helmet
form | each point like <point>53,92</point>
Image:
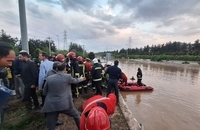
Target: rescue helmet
<point>109,63</point>
<point>87,59</point>
<point>79,58</point>
<point>95,60</point>
<point>60,57</point>
<point>71,55</point>
<point>97,119</point>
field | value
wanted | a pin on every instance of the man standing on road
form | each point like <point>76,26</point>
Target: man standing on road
<point>57,90</point>
<point>29,77</point>
<point>115,74</point>
<point>45,66</point>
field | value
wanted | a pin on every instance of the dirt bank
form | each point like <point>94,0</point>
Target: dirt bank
<point>16,118</point>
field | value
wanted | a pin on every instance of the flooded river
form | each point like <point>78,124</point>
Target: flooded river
<point>175,102</point>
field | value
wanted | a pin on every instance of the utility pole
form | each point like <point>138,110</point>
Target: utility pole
<point>129,43</point>
<point>23,25</point>
<point>48,38</point>
<point>58,41</point>
<point>65,38</point>
<point>83,49</point>
<point>130,40</point>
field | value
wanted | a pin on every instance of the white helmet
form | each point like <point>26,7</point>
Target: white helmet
<point>109,63</point>
<point>95,60</point>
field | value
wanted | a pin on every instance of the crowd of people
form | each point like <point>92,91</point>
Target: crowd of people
<point>60,79</point>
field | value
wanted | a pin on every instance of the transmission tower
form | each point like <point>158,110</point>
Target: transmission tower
<point>130,42</point>
<point>65,40</point>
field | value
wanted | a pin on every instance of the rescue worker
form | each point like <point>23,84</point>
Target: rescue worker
<point>60,57</point>
<point>68,67</point>
<point>74,72</point>
<point>108,64</point>
<point>96,76</point>
<point>115,74</point>
<point>82,71</point>
<point>102,75</point>
<point>97,109</point>
<point>124,79</point>
<point>139,77</point>
<point>88,68</point>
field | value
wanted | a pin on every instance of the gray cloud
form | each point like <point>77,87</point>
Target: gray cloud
<point>126,4</point>
<point>10,17</point>
<point>158,10</point>
<point>100,15</point>
<point>121,21</point>
<point>57,2</point>
<point>33,9</point>
<point>102,26</point>
<point>77,5</point>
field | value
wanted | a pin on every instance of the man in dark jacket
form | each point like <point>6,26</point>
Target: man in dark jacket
<point>115,74</point>
<point>17,67</point>
<point>139,77</point>
<point>97,76</point>
<point>29,77</point>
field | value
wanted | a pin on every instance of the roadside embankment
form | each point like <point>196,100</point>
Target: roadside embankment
<point>130,119</point>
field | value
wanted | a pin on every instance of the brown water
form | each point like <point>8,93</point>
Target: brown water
<point>175,102</point>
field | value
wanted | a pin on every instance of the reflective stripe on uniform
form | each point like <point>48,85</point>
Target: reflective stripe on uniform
<point>97,79</point>
<point>97,68</point>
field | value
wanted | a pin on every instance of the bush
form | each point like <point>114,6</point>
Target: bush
<point>185,62</point>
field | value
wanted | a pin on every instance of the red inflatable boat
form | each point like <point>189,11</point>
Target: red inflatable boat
<point>132,86</point>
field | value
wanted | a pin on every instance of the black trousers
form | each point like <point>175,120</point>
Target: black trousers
<point>113,84</point>
<point>74,89</point>
<point>139,82</point>
<point>51,117</point>
<point>30,93</point>
<point>97,85</point>
<point>42,96</point>
<point>43,99</point>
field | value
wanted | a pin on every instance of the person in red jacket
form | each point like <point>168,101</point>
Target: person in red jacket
<point>88,67</point>
<point>124,79</point>
<point>93,113</point>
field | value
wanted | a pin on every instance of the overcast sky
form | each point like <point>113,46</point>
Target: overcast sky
<point>102,25</point>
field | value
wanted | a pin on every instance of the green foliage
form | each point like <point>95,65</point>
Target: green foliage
<point>64,52</point>
<point>198,62</point>
<point>91,55</point>
<point>37,45</point>
<point>185,62</point>
<point>19,121</point>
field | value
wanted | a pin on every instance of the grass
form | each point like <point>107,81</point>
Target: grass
<point>185,62</point>
<point>17,118</point>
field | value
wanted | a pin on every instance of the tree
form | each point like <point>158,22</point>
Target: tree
<point>91,55</point>
<point>8,39</point>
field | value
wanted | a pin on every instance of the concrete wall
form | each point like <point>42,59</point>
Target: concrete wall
<point>131,121</point>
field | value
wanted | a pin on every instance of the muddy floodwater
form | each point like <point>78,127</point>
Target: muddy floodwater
<point>175,102</point>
